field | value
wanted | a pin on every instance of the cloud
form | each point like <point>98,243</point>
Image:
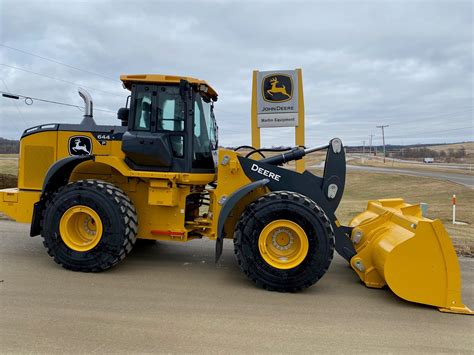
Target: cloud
<point>403,63</point>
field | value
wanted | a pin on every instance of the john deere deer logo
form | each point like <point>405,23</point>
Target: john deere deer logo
<point>277,88</point>
<point>80,145</point>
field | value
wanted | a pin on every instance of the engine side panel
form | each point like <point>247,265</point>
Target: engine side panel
<point>41,146</point>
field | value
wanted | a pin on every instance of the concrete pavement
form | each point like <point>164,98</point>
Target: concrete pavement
<point>170,297</point>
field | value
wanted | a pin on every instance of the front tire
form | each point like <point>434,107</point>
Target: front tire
<point>89,226</point>
<point>284,242</point>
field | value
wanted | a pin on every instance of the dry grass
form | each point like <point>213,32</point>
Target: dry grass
<point>7,181</point>
<point>9,164</point>
<point>469,149</point>
<point>468,146</point>
<point>392,164</point>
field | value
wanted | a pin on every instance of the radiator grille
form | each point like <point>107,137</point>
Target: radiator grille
<point>37,161</point>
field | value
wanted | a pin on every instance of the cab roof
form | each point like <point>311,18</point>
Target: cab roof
<point>128,80</point>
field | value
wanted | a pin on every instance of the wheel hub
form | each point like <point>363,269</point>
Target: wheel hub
<point>80,228</point>
<point>283,244</point>
<point>89,226</point>
<point>282,239</point>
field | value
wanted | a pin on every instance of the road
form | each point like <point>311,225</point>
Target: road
<point>457,166</point>
<point>466,180</point>
<point>463,179</point>
<point>170,297</point>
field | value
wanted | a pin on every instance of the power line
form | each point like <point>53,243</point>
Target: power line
<point>405,117</point>
<point>349,111</point>
<point>418,129</point>
<point>431,117</point>
<point>16,105</point>
<point>58,79</point>
<point>440,131</point>
<point>17,96</point>
<point>58,62</point>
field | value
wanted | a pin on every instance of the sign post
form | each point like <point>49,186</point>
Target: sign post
<point>454,209</point>
<point>277,101</point>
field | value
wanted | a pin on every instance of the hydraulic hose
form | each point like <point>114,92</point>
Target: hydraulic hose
<point>294,154</point>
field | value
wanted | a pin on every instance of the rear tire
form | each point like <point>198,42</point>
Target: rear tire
<point>98,222</point>
<point>305,221</point>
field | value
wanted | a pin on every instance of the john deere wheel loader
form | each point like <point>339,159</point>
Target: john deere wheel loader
<point>91,190</point>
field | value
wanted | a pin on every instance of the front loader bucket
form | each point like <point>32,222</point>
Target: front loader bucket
<point>413,255</point>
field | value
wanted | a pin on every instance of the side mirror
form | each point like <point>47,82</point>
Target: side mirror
<point>183,88</point>
<point>215,141</point>
<point>122,115</point>
<point>214,137</point>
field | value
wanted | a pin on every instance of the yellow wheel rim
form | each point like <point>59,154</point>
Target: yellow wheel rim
<point>80,228</point>
<point>283,244</point>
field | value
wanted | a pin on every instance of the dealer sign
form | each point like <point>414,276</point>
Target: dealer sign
<point>277,98</point>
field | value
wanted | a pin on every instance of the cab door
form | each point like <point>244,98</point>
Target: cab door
<point>204,135</point>
<point>155,139</point>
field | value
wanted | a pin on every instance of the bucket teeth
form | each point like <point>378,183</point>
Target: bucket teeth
<point>458,310</point>
<point>413,255</point>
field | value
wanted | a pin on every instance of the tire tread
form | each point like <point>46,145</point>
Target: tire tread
<point>114,195</point>
<point>249,213</point>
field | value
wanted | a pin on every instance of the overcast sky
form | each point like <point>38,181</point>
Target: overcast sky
<point>408,64</point>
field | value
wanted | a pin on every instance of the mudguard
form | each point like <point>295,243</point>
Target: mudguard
<point>58,175</point>
<point>229,204</point>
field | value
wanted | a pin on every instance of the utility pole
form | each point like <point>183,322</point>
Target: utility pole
<point>370,143</point>
<point>363,147</point>
<point>383,139</point>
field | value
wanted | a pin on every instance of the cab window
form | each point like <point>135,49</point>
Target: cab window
<point>171,117</point>
<point>143,104</point>
<point>170,110</point>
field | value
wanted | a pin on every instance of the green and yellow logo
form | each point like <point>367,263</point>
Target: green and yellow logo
<point>277,88</point>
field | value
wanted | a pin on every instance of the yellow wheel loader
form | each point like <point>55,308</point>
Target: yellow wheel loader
<point>91,190</point>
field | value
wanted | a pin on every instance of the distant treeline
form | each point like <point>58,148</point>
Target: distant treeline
<point>8,146</point>
<point>429,153</point>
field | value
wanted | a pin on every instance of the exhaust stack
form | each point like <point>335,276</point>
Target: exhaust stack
<point>88,119</point>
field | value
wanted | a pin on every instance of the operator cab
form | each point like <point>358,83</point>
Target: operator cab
<point>171,124</point>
